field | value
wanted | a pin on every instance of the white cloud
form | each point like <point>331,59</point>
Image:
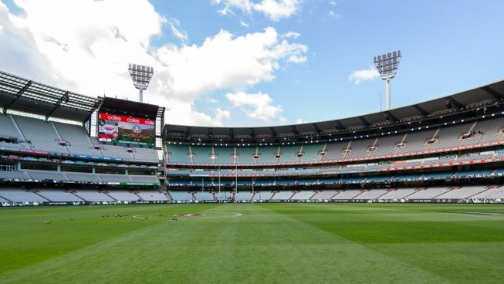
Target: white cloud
<point>244,24</point>
<point>273,9</point>
<point>256,106</point>
<point>244,5</point>
<point>297,59</point>
<point>87,49</point>
<point>300,121</point>
<point>277,9</point>
<point>177,33</point>
<point>291,35</point>
<point>363,75</point>
<point>222,114</point>
<point>225,62</point>
<point>184,113</point>
<point>333,14</point>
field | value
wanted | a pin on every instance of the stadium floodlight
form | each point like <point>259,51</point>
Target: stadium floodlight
<point>141,76</point>
<point>387,67</point>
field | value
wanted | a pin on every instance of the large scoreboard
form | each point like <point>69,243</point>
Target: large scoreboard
<point>127,123</point>
<point>122,129</point>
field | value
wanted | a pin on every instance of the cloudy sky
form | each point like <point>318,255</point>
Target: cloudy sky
<point>255,62</point>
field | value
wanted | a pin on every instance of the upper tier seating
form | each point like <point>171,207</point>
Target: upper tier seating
<point>77,139</point>
<point>289,154</point>
<point>47,175</point>
<point>9,129</point>
<point>43,135</point>
<point>20,175</point>
<point>312,152</point>
<point>145,155</point>
<point>434,139</point>
<point>67,139</point>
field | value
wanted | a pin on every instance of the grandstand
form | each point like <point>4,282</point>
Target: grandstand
<point>58,147</point>
<point>54,147</point>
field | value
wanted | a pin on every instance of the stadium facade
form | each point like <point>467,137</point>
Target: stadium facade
<point>58,147</point>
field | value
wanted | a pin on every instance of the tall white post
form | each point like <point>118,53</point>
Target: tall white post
<point>387,65</point>
<point>236,183</point>
<point>387,94</point>
<point>219,186</point>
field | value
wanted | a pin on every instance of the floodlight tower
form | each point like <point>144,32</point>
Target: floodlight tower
<point>141,76</point>
<point>387,67</point>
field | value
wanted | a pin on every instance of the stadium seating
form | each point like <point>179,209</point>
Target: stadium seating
<point>428,193</point>
<point>152,195</point>
<point>282,195</point>
<point>47,175</point>
<point>397,194</point>
<point>93,195</point>
<point>41,134</point>
<point>347,194</point>
<point>78,142</point>
<point>243,196</point>
<point>324,195</point>
<point>461,192</point>
<point>492,192</point>
<point>204,196</point>
<point>13,175</point>
<point>302,195</point>
<point>372,194</point>
<point>246,155</point>
<point>20,195</point>
<point>180,195</point>
<point>436,159</point>
<point>57,195</point>
<point>123,195</point>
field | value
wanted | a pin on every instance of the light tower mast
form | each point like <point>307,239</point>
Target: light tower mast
<point>141,76</point>
<point>387,67</point>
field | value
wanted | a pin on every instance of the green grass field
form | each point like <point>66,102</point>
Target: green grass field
<point>253,243</point>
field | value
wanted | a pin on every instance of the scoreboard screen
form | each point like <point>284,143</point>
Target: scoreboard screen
<point>121,129</point>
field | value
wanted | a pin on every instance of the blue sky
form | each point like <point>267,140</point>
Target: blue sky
<point>255,62</point>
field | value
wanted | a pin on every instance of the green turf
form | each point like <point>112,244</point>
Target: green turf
<point>253,243</point>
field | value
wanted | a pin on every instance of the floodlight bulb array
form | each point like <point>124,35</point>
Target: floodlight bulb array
<point>141,75</point>
<point>387,63</point>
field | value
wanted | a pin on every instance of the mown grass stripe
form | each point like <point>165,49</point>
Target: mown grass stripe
<point>268,243</point>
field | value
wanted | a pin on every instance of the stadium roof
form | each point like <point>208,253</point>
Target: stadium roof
<point>130,107</point>
<point>464,105</point>
<point>25,95</point>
